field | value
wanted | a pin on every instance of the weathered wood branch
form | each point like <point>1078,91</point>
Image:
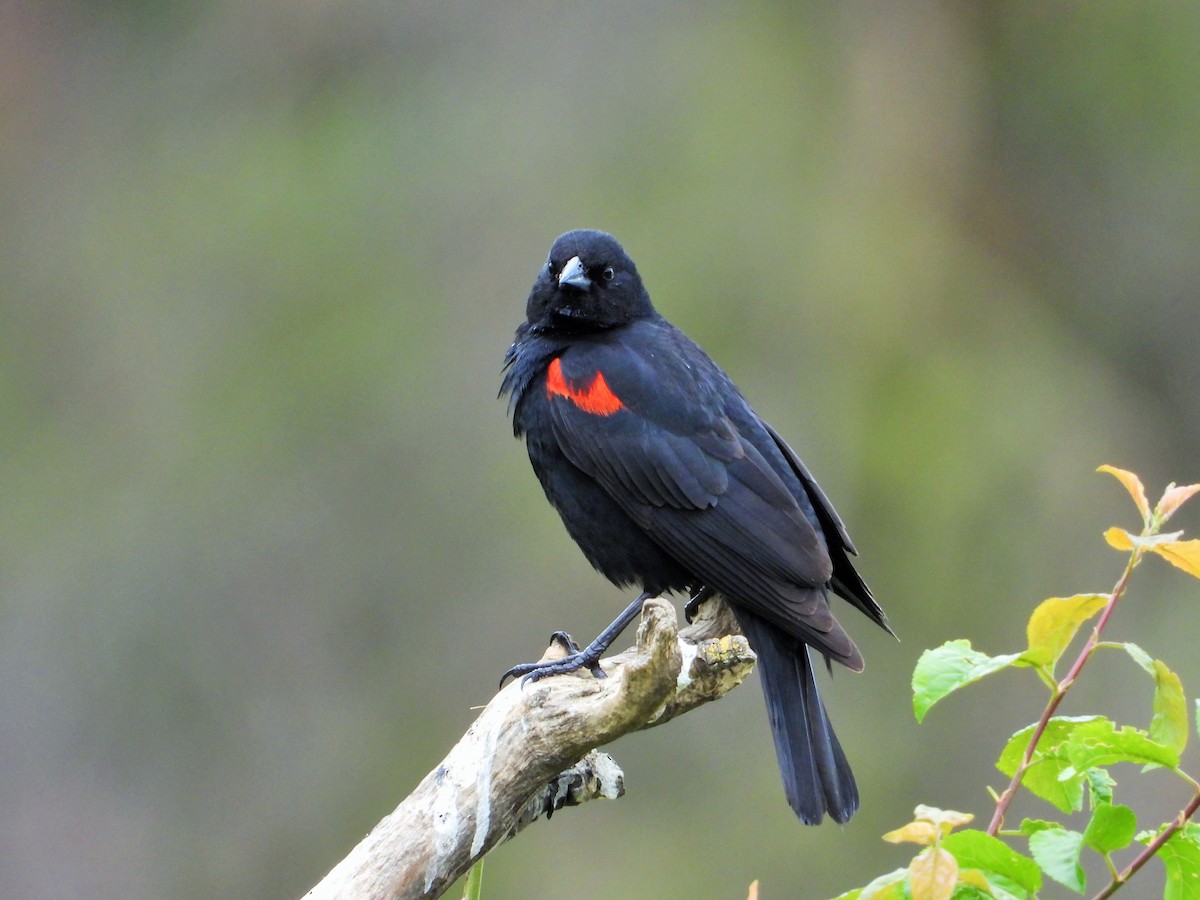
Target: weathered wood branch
<point>533,750</point>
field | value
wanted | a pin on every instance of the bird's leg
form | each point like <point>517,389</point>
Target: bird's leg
<point>588,657</point>
<point>693,606</point>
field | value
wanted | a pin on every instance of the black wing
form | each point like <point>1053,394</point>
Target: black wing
<point>708,486</point>
<point>846,582</point>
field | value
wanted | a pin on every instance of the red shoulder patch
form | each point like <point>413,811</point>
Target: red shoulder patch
<point>597,398</point>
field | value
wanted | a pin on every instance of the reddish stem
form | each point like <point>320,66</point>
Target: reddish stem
<point>1147,854</point>
<point>1060,691</point>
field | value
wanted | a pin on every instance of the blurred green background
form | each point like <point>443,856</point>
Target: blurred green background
<point>266,538</point>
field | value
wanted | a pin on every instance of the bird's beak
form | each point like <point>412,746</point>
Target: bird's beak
<point>574,275</point>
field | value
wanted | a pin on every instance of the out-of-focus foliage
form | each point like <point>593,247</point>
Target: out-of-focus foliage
<point>265,538</point>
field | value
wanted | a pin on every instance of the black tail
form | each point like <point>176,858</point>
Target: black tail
<point>816,776</point>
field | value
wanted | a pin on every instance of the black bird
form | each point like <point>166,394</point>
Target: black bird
<point>667,479</point>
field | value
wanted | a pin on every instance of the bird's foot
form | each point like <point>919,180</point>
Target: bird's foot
<point>587,658</point>
<point>574,660</point>
<point>693,606</point>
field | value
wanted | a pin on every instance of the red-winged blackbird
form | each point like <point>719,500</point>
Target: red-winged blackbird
<point>667,479</point>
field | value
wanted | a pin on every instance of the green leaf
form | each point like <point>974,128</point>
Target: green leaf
<point>971,892</point>
<point>1111,828</point>
<point>1054,624</point>
<point>1057,852</point>
<point>949,667</point>
<point>1169,726</point>
<point>1051,775</point>
<point>1100,743</point>
<point>1102,785</point>
<point>1181,857</point>
<point>1140,656</point>
<point>1033,826</point>
<point>998,887</point>
<point>977,849</point>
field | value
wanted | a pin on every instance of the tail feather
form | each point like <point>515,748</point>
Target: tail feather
<point>816,776</point>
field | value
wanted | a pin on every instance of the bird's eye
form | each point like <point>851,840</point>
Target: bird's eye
<point>608,273</point>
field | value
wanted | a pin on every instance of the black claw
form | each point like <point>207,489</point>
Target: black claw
<point>693,606</point>
<point>587,658</point>
<point>573,662</point>
<point>532,672</point>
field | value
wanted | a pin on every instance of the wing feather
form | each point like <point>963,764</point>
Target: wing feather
<point>688,460</point>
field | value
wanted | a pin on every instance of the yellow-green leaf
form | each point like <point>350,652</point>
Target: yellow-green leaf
<point>932,875</point>
<point>1133,484</point>
<point>1119,538</point>
<point>924,833</point>
<point>1169,726</point>
<point>1173,498</point>
<point>929,823</point>
<point>946,819</point>
<point>975,879</point>
<point>1181,554</point>
<point>1054,623</point>
<point>885,887</point>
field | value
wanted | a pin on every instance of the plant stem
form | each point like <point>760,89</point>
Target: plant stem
<point>1060,691</point>
<point>474,889</point>
<point>1152,848</point>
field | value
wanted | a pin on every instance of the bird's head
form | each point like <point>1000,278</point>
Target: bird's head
<point>587,284</point>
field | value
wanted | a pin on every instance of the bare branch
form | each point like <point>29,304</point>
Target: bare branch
<point>532,751</point>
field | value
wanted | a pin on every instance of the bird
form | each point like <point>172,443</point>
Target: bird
<point>669,481</point>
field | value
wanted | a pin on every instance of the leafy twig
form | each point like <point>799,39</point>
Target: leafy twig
<point>1061,759</point>
<point>1152,848</point>
<point>1060,691</point>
